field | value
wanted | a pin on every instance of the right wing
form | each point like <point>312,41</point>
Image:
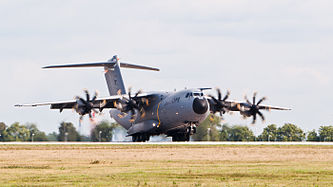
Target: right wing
<point>100,103</point>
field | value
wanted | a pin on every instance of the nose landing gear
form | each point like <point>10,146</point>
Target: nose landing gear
<point>140,138</point>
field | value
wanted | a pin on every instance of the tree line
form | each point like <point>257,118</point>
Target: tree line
<point>210,130</point>
<point>102,132</point>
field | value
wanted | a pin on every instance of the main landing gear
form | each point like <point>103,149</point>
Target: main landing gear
<point>140,138</point>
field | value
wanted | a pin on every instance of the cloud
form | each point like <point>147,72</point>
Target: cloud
<point>310,74</point>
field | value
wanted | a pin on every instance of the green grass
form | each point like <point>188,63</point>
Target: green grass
<point>165,165</point>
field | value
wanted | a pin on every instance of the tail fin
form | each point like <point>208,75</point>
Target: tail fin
<point>113,76</point>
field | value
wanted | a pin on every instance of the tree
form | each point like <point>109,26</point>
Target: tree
<point>290,132</point>
<point>102,132</point>
<point>313,136</point>
<point>17,132</point>
<point>207,130</point>
<point>67,132</point>
<point>240,133</point>
<point>269,133</point>
<point>225,133</point>
<point>326,133</point>
<point>236,133</point>
<point>52,137</point>
<point>3,132</point>
<point>35,133</point>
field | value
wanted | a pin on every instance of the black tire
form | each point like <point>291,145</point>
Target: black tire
<point>140,138</point>
<point>134,138</point>
<point>181,137</point>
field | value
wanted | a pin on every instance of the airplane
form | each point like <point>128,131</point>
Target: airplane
<point>175,114</point>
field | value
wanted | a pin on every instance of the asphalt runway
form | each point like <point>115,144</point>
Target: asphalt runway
<point>167,143</point>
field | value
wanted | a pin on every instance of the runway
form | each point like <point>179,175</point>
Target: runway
<point>169,143</point>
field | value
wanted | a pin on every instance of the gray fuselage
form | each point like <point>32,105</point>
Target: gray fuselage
<point>166,112</point>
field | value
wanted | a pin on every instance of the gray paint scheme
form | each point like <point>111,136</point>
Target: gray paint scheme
<point>166,112</point>
<point>170,113</point>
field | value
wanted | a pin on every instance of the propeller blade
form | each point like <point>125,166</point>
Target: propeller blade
<point>261,100</point>
<point>262,116</point>
<point>87,95</point>
<point>254,119</point>
<point>83,101</point>
<point>247,100</point>
<point>254,97</point>
<point>95,96</point>
<point>226,96</point>
<point>129,93</point>
<point>214,99</point>
<point>219,94</point>
<point>137,93</point>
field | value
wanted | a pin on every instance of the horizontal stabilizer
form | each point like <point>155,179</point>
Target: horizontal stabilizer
<point>133,66</point>
<point>102,64</point>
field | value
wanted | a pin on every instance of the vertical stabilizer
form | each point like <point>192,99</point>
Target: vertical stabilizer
<point>113,77</point>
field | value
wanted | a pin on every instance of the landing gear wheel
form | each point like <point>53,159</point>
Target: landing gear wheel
<point>181,137</point>
<point>140,138</point>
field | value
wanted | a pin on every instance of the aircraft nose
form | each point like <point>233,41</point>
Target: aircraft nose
<point>200,106</point>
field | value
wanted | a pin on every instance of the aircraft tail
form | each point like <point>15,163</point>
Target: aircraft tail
<point>113,75</point>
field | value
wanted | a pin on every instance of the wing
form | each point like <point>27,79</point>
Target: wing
<point>240,105</point>
<point>100,103</point>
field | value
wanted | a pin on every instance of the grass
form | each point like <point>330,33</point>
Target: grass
<point>165,165</point>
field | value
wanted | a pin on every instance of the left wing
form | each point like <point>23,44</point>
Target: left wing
<point>239,105</point>
<point>247,108</point>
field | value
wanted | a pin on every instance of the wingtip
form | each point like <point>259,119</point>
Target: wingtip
<point>47,67</point>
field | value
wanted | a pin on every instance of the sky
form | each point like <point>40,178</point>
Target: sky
<point>281,49</point>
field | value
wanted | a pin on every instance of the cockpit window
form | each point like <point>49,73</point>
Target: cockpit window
<point>197,94</point>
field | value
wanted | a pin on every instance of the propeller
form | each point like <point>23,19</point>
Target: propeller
<point>219,104</point>
<point>130,104</point>
<point>86,106</point>
<point>254,108</point>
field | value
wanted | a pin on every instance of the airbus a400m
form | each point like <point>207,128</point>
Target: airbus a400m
<point>175,114</point>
